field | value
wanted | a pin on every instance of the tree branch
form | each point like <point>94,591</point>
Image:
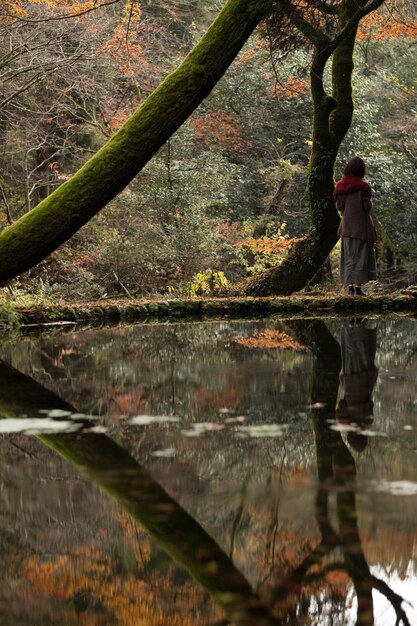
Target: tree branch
<point>313,34</point>
<point>41,75</point>
<point>58,17</point>
<point>394,598</point>
<point>6,204</point>
<point>35,79</point>
<point>326,7</point>
<point>354,20</point>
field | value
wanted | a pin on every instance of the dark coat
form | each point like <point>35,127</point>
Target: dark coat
<point>359,373</point>
<point>356,221</point>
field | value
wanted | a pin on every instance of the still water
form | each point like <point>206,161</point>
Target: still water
<point>248,473</point>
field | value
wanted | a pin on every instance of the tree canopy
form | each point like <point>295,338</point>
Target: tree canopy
<point>235,173</point>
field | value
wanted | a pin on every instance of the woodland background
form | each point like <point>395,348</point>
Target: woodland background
<point>225,197</point>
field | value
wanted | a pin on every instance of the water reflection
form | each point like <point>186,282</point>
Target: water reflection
<point>315,591</point>
<point>358,378</point>
<point>111,467</point>
<point>335,463</point>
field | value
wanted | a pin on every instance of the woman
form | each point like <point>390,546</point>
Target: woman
<point>353,198</point>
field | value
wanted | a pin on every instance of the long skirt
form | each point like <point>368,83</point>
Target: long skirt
<point>357,261</point>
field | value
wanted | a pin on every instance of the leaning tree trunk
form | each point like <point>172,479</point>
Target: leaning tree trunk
<point>58,217</point>
<point>331,121</point>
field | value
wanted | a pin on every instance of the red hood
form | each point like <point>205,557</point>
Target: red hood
<point>349,184</point>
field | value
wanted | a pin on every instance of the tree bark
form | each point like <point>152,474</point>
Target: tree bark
<point>58,217</point>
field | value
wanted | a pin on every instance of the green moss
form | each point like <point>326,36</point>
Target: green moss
<point>193,307</point>
<point>96,312</point>
<point>233,307</point>
<point>53,314</point>
<point>164,309</point>
<point>178,307</point>
<point>68,313</point>
<point>86,314</point>
<point>296,304</point>
<point>130,313</point>
<point>152,308</point>
<point>276,304</point>
<point>210,307</point>
<point>318,303</point>
<point>241,305</point>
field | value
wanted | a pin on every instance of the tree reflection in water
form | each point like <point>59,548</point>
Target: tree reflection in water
<point>337,472</point>
<point>115,471</point>
<point>339,550</point>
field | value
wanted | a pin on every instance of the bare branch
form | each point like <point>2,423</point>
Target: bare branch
<point>129,20</point>
<point>6,204</point>
<point>45,70</point>
<point>24,20</point>
<point>394,598</point>
<point>19,50</point>
<point>36,79</point>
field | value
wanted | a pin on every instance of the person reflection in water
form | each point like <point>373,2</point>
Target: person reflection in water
<point>358,378</point>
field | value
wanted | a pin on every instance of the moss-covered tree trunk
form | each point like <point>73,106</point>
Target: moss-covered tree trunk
<point>58,217</point>
<point>331,121</point>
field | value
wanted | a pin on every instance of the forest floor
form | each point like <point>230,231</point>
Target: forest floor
<point>15,313</point>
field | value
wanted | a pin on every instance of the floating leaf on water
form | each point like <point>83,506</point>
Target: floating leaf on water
<point>144,420</point>
<point>239,419</point>
<point>395,487</point>
<point>207,426</point>
<point>263,430</point>
<point>78,416</point>
<point>355,428</point>
<point>56,413</point>
<point>37,426</point>
<point>344,428</point>
<point>373,433</point>
<point>199,428</point>
<point>97,430</point>
<point>191,433</point>
<point>166,453</point>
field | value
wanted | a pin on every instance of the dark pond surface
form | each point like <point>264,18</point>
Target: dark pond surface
<point>210,473</point>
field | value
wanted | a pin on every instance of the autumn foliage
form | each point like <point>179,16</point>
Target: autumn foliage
<point>93,586</point>
<point>267,245</point>
<point>389,23</point>
<point>223,130</point>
